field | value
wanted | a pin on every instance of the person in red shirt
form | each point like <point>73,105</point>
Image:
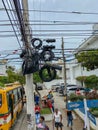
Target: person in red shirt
<point>37,113</point>
<point>37,108</point>
<point>78,91</point>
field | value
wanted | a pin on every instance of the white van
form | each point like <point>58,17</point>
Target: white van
<point>72,89</point>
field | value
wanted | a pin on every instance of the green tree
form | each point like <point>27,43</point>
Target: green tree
<point>12,77</point>
<point>88,59</point>
<point>36,77</point>
<point>4,80</point>
<point>81,79</point>
<point>21,79</point>
<point>91,82</point>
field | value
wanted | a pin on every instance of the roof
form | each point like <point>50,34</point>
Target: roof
<point>87,42</point>
<point>10,86</point>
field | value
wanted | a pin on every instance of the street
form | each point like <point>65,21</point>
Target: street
<point>60,104</point>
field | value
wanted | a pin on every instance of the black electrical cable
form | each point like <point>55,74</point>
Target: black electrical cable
<point>11,23</point>
<point>55,30</point>
<point>20,18</point>
<point>11,13</point>
<point>53,35</point>
<point>14,16</point>
<point>59,11</point>
<point>57,21</point>
<point>53,24</point>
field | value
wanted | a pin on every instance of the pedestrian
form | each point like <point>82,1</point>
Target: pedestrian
<point>52,101</point>
<point>78,92</point>
<point>50,105</point>
<point>57,121</point>
<point>36,98</point>
<point>42,125</point>
<point>69,118</point>
<point>50,95</point>
<point>37,113</point>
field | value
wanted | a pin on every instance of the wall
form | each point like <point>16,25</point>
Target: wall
<point>3,70</point>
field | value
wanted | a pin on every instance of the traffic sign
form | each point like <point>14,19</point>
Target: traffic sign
<point>75,105</point>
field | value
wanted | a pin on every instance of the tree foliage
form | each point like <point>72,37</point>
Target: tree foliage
<point>88,59</point>
<point>11,77</point>
<point>89,81</point>
<point>36,77</point>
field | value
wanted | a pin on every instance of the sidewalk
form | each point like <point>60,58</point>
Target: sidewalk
<point>60,104</point>
<point>21,123</point>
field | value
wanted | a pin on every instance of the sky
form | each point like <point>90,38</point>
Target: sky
<point>42,13</point>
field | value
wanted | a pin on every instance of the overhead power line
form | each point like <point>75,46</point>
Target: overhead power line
<point>11,22</point>
<point>53,21</point>
<point>57,11</point>
<point>54,34</point>
<point>53,24</point>
<point>51,30</point>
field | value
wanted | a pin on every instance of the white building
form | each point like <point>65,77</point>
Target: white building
<point>3,68</point>
<point>75,69</point>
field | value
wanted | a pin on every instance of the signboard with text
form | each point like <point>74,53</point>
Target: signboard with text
<point>80,104</point>
<point>75,105</point>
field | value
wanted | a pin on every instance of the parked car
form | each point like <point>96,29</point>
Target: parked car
<point>72,85</point>
<point>39,87</point>
<point>55,87</point>
<point>60,90</point>
<point>73,89</point>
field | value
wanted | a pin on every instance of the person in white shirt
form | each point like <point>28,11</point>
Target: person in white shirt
<point>57,119</point>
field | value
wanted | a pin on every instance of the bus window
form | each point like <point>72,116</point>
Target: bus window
<point>19,93</point>
<point>15,96</point>
<point>9,99</point>
<point>0,100</point>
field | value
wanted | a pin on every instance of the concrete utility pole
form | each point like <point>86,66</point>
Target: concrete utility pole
<point>29,78</point>
<point>64,64</point>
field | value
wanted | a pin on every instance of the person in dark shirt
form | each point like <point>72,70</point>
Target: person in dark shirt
<point>69,118</point>
<point>36,99</point>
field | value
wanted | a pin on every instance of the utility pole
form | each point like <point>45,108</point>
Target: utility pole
<point>64,74</point>
<point>29,77</point>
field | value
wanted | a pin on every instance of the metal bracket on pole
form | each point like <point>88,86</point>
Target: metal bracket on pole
<point>86,115</point>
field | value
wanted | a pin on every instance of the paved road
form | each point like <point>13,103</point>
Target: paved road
<point>60,104</point>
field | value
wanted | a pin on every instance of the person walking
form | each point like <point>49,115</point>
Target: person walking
<point>69,118</point>
<point>42,125</point>
<point>78,92</point>
<point>57,121</point>
<point>37,113</point>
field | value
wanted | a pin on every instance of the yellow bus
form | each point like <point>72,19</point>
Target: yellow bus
<point>11,104</point>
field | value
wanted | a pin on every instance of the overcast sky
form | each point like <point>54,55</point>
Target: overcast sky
<point>40,12</point>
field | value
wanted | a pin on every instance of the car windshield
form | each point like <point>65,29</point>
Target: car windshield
<point>0,100</point>
<point>72,85</point>
<point>73,89</point>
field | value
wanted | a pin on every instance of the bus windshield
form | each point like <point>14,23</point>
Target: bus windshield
<point>0,100</point>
